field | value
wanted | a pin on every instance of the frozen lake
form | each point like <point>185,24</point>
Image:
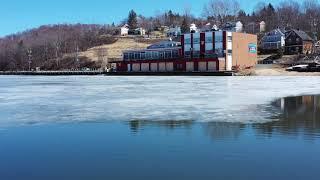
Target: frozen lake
<point>25,100</point>
<point>159,127</point>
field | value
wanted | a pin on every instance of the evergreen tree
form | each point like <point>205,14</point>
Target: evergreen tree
<point>132,20</point>
<point>185,25</point>
<point>171,18</point>
<point>242,16</point>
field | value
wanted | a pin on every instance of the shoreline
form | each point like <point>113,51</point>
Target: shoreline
<point>277,70</point>
<point>259,70</point>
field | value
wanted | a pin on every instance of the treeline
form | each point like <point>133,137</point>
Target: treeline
<point>46,46</point>
<point>304,15</point>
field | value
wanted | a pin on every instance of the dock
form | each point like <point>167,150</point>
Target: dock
<point>217,73</point>
<point>52,73</point>
<point>93,73</point>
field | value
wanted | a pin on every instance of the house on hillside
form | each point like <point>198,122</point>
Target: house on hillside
<point>233,26</point>
<point>255,27</point>
<point>159,32</point>
<point>193,28</point>
<point>298,42</point>
<point>208,28</point>
<point>215,28</point>
<point>124,31</point>
<point>141,31</point>
<point>239,26</point>
<point>138,31</point>
<point>273,41</point>
<point>262,25</point>
<point>174,32</point>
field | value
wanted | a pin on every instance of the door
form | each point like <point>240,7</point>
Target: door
<point>202,66</point>
<point>189,66</point>
<point>179,67</point>
<point>136,67</point>
<point>129,67</point>
<point>169,66</point>
<point>154,67</point>
<point>212,66</point>
<point>162,67</point>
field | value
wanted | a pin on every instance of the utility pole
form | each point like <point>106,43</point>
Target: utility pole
<point>29,58</point>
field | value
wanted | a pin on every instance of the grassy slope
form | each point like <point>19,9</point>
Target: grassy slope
<point>114,51</point>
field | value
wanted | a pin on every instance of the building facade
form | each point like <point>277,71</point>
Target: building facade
<point>199,52</point>
<point>193,28</point>
<point>298,42</point>
<point>273,41</point>
<point>124,30</point>
<point>233,26</point>
<point>174,32</point>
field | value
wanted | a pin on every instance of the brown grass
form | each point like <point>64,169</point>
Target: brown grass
<point>114,51</point>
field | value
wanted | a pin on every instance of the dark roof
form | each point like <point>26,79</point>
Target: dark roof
<point>276,32</point>
<point>303,35</point>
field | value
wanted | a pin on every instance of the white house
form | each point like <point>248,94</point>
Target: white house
<point>262,26</point>
<point>239,27</point>
<point>124,30</point>
<point>176,31</point>
<point>232,26</point>
<point>141,31</point>
<point>193,28</point>
<point>215,27</point>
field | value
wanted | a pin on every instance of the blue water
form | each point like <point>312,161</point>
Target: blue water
<point>159,127</point>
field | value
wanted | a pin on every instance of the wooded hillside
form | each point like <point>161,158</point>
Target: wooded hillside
<point>46,46</point>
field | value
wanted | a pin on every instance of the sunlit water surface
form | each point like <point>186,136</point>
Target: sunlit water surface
<point>159,127</point>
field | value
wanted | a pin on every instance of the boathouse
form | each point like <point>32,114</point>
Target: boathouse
<point>199,52</point>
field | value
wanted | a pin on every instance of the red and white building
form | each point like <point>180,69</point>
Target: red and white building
<point>199,52</point>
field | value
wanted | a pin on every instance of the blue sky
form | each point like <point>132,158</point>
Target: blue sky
<point>19,15</point>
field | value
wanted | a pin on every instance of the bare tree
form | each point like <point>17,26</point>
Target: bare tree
<point>288,14</point>
<point>220,10</point>
<point>57,45</point>
<point>312,14</point>
<point>102,54</point>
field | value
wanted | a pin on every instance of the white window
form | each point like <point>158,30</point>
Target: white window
<point>218,39</point>
<point>208,39</point>
<point>196,41</point>
<point>187,41</point>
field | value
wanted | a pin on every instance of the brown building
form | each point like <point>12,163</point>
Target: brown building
<point>244,50</point>
<point>298,42</point>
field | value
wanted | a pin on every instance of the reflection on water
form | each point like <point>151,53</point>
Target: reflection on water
<point>221,130</point>
<point>97,148</point>
<point>215,130</point>
<point>298,115</point>
<point>137,125</point>
<point>301,109</point>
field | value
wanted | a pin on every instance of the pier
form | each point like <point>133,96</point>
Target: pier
<point>92,73</point>
<point>52,73</point>
<point>216,73</point>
